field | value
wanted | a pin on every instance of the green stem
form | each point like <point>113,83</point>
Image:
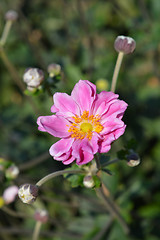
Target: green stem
<point>5,33</point>
<point>36,230</point>
<point>116,71</point>
<point>110,162</point>
<point>112,208</point>
<point>96,156</point>
<point>55,174</point>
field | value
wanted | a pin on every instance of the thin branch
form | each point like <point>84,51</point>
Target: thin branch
<point>55,174</point>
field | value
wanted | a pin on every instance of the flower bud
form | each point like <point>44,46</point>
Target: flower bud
<point>28,193</point>
<point>41,216</point>
<point>124,44</point>
<point>33,78</point>
<point>54,69</point>
<point>12,172</point>
<point>102,84</point>
<point>10,194</point>
<point>133,160</point>
<point>88,181</point>
<point>2,203</point>
<point>11,15</point>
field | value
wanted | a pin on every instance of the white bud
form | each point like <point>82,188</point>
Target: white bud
<point>12,172</point>
<point>124,44</point>
<point>33,78</point>
<point>11,15</point>
<point>88,181</point>
<point>28,193</point>
<point>133,160</point>
<point>54,69</point>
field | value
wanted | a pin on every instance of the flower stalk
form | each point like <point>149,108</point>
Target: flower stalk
<point>37,230</point>
<point>5,33</point>
<point>112,208</point>
<point>55,174</point>
<point>116,71</point>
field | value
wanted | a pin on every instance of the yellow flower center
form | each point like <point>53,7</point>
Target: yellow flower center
<point>85,125</point>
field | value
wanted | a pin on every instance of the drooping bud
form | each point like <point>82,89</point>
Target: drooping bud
<point>12,172</point>
<point>133,160</point>
<point>28,193</point>
<point>10,194</point>
<point>88,181</point>
<point>41,216</point>
<point>54,69</point>
<point>11,15</point>
<point>124,44</point>
<point>33,78</point>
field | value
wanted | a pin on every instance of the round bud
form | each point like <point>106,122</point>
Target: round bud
<point>124,44</point>
<point>11,15</point>
<point>2,203</point>
<point>33,78</point>
<point>88,181</point>
<point>12,172</point>
<point>41,216</point>
<point>133,160</point>
<point>102,84</point>
<point>28,193</point>
<point>54,69</point>
<point>10,194</point>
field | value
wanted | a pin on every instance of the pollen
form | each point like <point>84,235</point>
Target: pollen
<point>85,126</point>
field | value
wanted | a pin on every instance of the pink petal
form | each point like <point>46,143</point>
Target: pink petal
<point>10,194</point>
<point>40,127</point>
<point>111,125</point>
<point>84,94</point>
<point>119,132</point>
<point>102,102</point>
<point>116,109</point>
<point>61,147</point>
<point>55,125</point>
<point>82,151</point>
<point>65,104</point>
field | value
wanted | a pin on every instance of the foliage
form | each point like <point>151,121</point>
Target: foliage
<point>79,35</point>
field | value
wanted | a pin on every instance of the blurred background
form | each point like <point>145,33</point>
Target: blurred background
<point>79,35</point>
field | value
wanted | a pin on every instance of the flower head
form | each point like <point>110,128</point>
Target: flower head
<point>41,216</point>
<point>86,122</point>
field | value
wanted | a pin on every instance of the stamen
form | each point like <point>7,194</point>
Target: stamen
<point>85,125</point>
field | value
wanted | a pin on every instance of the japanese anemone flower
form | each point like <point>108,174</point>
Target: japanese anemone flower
<point>86,122</point>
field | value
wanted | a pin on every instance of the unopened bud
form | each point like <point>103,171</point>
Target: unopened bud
<point>41,216</point>
<point>12,172</point>
<point>11,15</point>
<point>124,44</point>
<point>133,160</point>
<point>2,203</point>
<point>28,193</point>
<point>54,69</point>
<point>102,84</point>
<point>33,78</point>
<point>10,194</point>
<point>88,181</point>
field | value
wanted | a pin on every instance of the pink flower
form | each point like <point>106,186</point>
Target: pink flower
<point>86,122</point>
<point>10,194</point>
